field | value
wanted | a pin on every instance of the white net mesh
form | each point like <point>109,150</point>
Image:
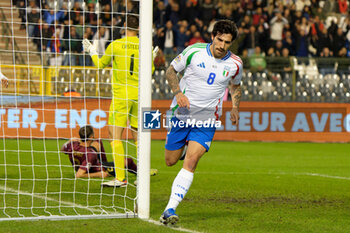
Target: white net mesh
<point>54,89</point>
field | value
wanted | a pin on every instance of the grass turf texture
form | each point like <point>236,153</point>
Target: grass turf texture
<point>238,187</point>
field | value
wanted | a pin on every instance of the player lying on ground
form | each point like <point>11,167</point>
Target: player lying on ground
<point>88,156</point>
<point>208,70</point>
<point>124,54</point>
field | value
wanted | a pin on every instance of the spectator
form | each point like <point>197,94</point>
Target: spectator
<point>323,40</point>
<point>159,14</point>
<point>55,4</point>
<point>80,26</point>
<point>197,38</point>
<point>302,44</point>
<point>307,12</point>
<point>73,48</point>
<point>181,39</point>
<point>343,52</point>
<point>226,14</point>
<point>116,6</point>
<point>276,50</point>
<point>257,15</point>
<point>101,38</point>
<point>54,48</point>
<point>285,60</point>
<point>43,36</point>
<point>169,41</point>
<point>277,24</point>
<point>76,13</point>
<point>251,40</point>
<point>326,67</point>
<point>338,42</point>
<point>245,24</point>
<point>33,20</point>
<point>90,16</point>
<point>238,13</point>
<point>257,61</point>
<point>106,15</point>
<point>288,42</point>
<point>158,38</point>
<point>131,7</point>
<point>22,13</point>
<point>115,29</point>
<point>173,13</point>
<point>207,11</point>
<point>303,25</point>
<point>263,33</point>
<point>300,4</point>
<point>330,6</point>
<point>316,26</point>
<point>343,6</point>
<point>287,15</point>
<point>50,16</point>
<point>189,12</point>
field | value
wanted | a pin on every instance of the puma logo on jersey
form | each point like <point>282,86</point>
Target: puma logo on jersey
<point>202,65</point>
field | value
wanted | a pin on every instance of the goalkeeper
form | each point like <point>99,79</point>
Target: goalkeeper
<point>88,156</point>
<point>124,54</point>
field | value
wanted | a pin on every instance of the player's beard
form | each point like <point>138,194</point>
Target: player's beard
<point>219,53</point>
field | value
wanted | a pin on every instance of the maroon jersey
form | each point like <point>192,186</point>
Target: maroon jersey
<point>83,157</point>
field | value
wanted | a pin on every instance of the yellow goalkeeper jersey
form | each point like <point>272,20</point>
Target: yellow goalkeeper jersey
<point>125,55</point>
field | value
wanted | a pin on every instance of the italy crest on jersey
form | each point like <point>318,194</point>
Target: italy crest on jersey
<point>226,71</point>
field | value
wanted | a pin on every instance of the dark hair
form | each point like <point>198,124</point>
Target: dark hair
<point>86,132</point>
<point>132,22</point>
<point>225,27</point>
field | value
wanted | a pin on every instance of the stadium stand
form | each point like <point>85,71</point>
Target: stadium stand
<point>305,43</point>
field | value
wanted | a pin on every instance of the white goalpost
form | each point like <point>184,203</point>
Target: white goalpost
<point>145,98</point>
<point>54,89</point>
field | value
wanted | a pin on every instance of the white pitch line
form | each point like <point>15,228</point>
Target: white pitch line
<point>325,175</point>
<point>84,207</point>
<point>173,228</point>
<point>266,173</point>
<point>51,199</point>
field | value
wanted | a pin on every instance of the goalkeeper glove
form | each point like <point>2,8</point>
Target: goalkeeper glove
<point>89,48</point>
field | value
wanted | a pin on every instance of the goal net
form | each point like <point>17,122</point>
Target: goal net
<point>54,89</point>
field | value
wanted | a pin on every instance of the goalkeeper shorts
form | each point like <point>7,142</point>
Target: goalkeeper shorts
<point>120,111</point>
<point>178,136</point>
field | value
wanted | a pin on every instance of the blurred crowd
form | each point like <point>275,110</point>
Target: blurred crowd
<point>58,27</point>
<point>281,28</point>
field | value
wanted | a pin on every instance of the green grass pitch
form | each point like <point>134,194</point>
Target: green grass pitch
<point>238,187</point>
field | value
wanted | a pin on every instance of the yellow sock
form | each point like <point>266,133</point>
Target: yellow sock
<point>118,158</point>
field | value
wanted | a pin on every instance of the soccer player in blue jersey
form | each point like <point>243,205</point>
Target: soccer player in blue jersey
<point>209,68</point>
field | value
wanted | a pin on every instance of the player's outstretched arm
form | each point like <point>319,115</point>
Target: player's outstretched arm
<point>236,93</point>
<point>81,173</point>
<point>4,80</point>
<point>173,82</point>
<point>102,62</point>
